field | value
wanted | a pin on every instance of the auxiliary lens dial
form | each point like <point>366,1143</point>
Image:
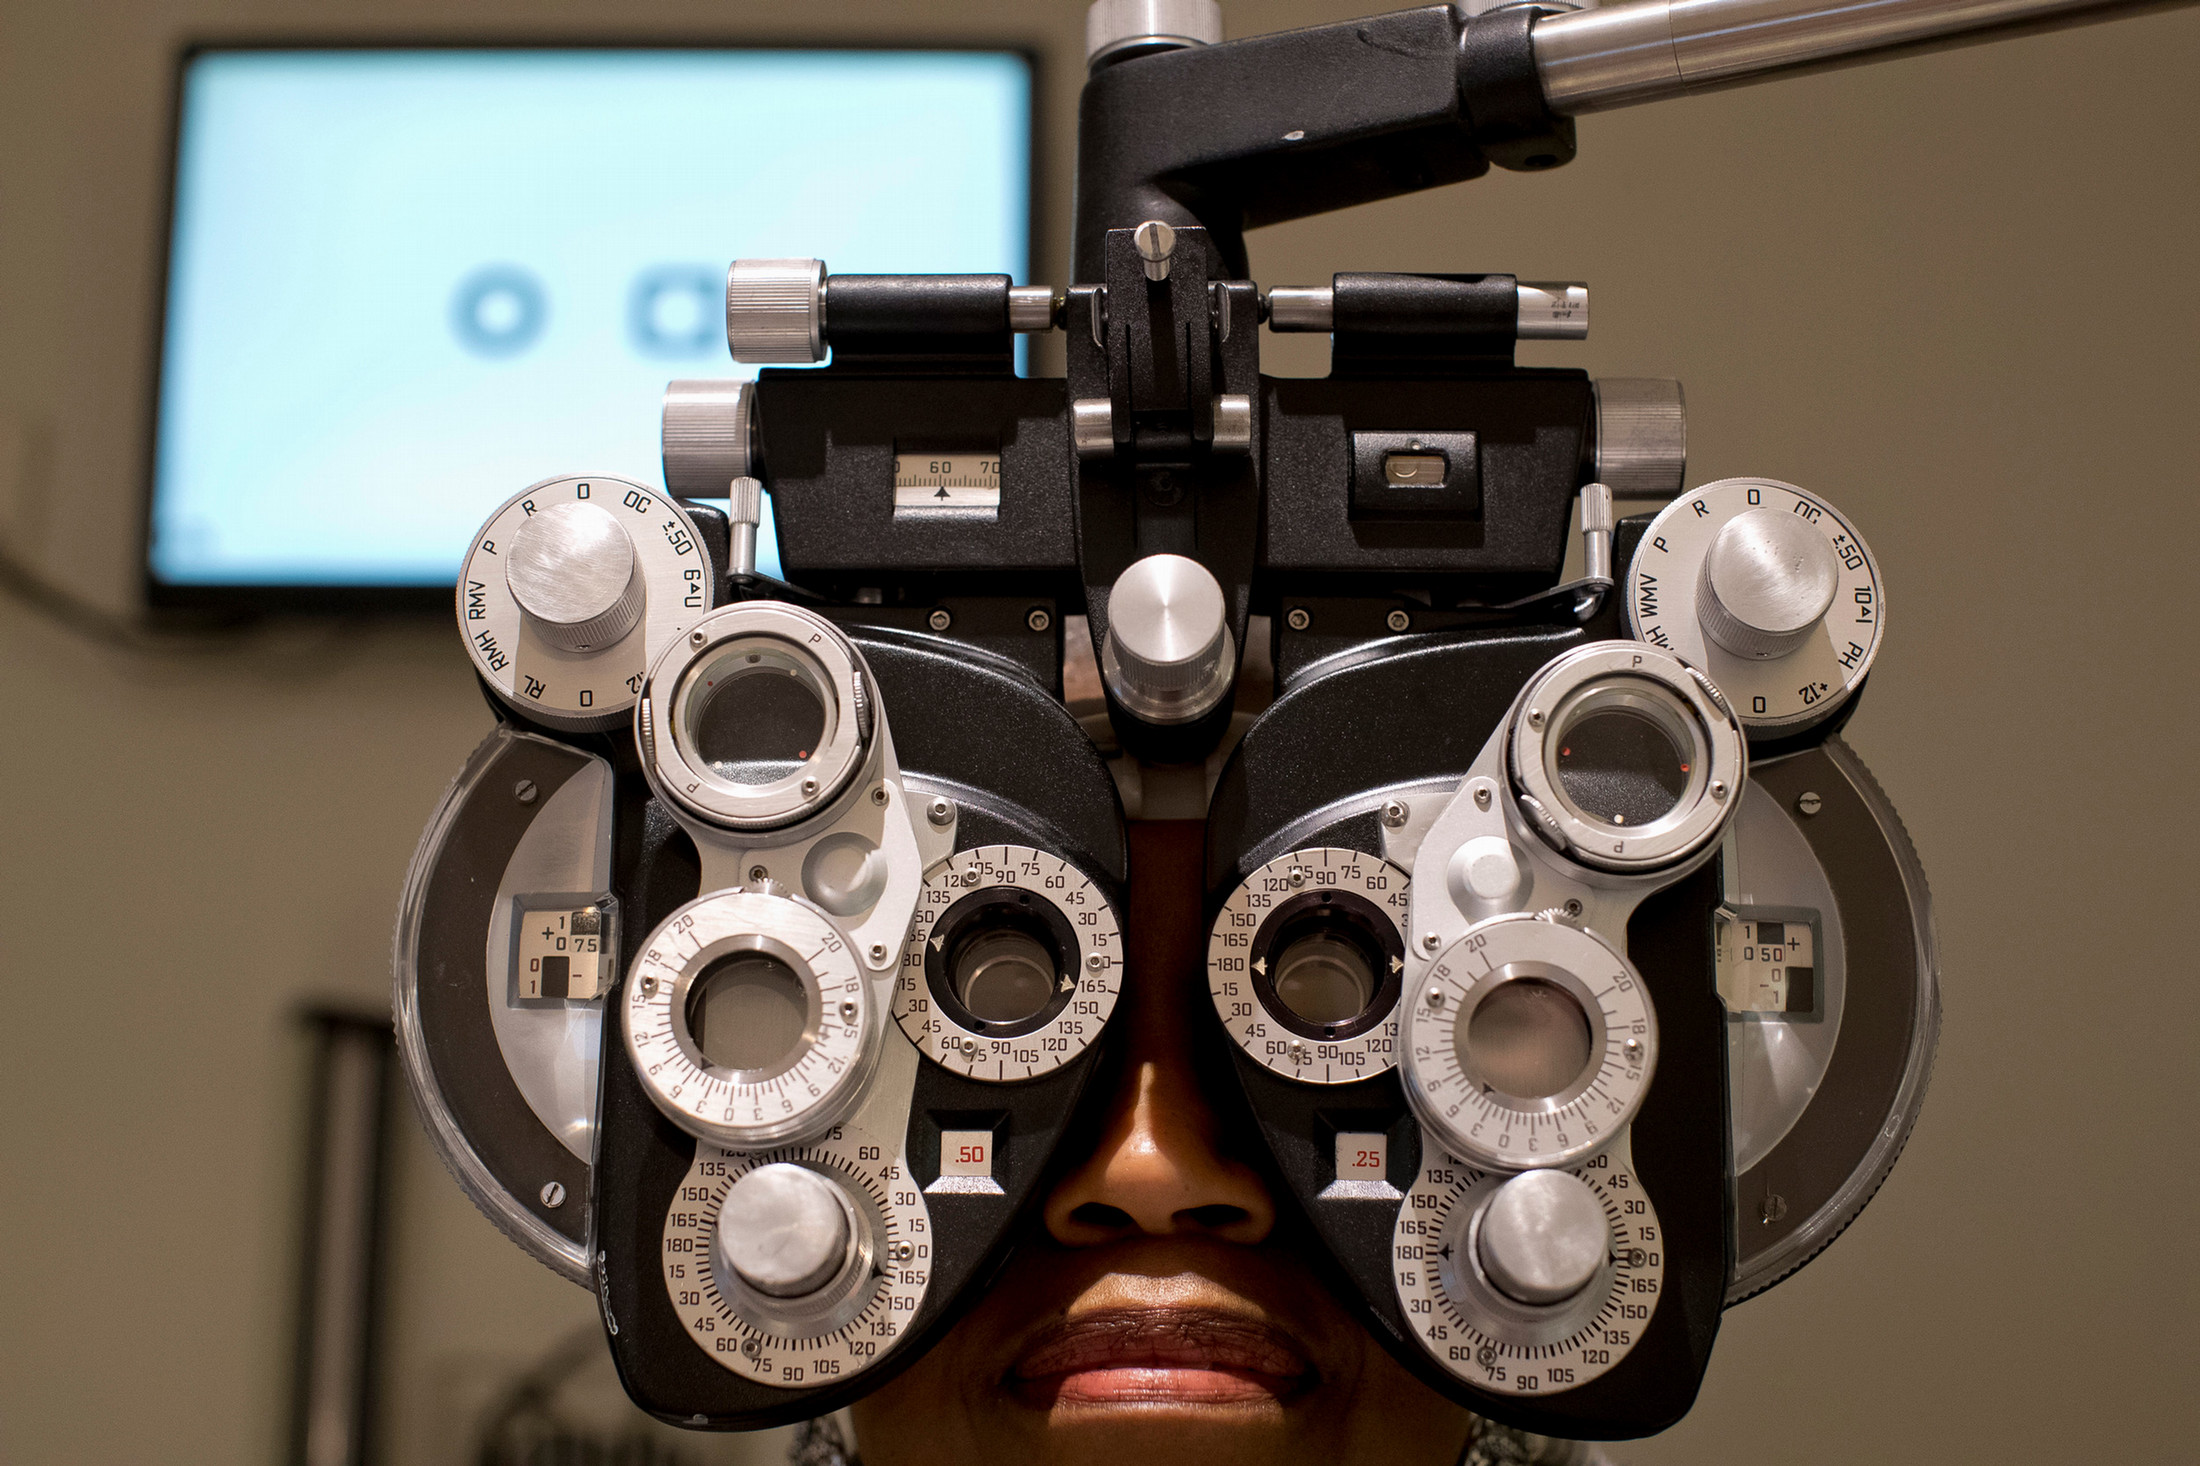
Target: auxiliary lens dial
<point>1767,589</point>
<point>1012,966</point>
<point>571,588</point>
<point>1304,963</point>
<point>749,1021</point>
<point>799,1265</point>
<point>1527,1044</point>
<point>1528,1284</point>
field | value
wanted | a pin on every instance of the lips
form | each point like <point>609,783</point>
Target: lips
<point>1162,1356</point>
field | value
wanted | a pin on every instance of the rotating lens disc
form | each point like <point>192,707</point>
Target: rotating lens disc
<point>749,1021</point>
<point>1304,962</point>
<point>1527,1044</point>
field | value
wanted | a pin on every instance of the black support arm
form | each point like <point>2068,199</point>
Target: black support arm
<point>1279,127</point>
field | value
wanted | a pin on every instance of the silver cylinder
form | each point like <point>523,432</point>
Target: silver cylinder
<point>1642,436</point>
<point>705,436</point>
<point>775,310</point>
<point>1618,55</point>
<point>1114,25</point>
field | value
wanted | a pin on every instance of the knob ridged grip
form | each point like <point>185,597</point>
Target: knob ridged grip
<point>705,436</point>
<point>1112,25</point>
<point>775,310</point>
<point>1168,656</point>
<point>1542,1237</point>
<point>1642,436</point>
<point>1767,582</point>
<point>572,570</point>
<point>783,1229</point>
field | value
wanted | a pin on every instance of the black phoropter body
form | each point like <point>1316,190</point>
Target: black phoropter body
<point>1577,978</point>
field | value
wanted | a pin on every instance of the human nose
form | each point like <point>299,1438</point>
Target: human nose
<point>1161,1166</point>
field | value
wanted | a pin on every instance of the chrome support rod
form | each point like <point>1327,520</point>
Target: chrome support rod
<point>1642,50</point>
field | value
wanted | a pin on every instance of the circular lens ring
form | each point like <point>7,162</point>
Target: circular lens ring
<point>946,1032</point>
<point>666,716</point>
<point>1240,978</point>
<point>814,1086</point>
<point>1639,679</point>
<point>973,919</point>
<point>1331,912</point>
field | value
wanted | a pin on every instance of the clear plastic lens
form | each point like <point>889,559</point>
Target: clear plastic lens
<point>756,712</point>
<point>748,1011</point>
<point>1324,979</point>
<point>1005,976</point>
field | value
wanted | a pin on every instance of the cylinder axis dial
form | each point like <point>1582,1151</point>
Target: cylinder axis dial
<point>749,1021</point>
<point>571,589</point>
<point>1529,1043</point>
<point>1768,590</point>
<point>800,1265</point>
<point>1530,1284</point>
<point>1012,966</point>
<point>1304,960</point>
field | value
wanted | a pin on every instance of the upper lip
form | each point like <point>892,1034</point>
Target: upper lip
<point>1163,1338</point>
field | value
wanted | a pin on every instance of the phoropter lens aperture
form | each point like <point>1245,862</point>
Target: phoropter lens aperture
<point>756,715</point>
<point>1004,975</point>
<point>1622,766</point>
<point>1324,979</point>
<point>1528,1039</point>
<point>747,1011</point>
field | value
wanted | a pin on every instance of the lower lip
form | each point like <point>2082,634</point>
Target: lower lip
<point>1158,1385</point>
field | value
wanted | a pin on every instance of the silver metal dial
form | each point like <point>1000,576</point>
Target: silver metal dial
<point>1528,1043</point>
<point>1601,1285</point>
<point>1012,966</point>
<point>1304,963</point>
<point>1768,590</point>
<point>1168,655</point>
<point>570,591</point>
<point>749,1021</point>
<point>775,1301</point>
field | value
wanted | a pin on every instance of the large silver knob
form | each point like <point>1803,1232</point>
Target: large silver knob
<point>1542,1237</point>
<point>783,1229</point>
<point>572,570</point>
<point>775,310</point>
<point>1767,582</point>
<point>1168,656</point>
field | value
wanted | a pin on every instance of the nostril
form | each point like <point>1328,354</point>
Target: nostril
<point>1214,1218</point>
<point>1107,1218</point>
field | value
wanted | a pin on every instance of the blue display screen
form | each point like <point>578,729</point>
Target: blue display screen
<point>404,285</point>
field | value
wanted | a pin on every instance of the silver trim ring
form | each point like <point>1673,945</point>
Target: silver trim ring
<point>825,1074</point>
<point>795,641</point>
<point>1651,684</point>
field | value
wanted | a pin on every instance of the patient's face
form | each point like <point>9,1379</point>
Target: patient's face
<point>1159,1319</point>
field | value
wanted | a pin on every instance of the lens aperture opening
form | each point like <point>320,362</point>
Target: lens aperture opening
<point>1324,979</point>
<point>1625,753</point>
<point>1004,975</point>
<point>756,711</point>
<point>1528,1039</point>
<point>748,1011</point>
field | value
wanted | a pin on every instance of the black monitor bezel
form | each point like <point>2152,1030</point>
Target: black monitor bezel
<point>413,600</point>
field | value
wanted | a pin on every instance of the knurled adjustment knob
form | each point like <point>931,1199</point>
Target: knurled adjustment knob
<point>784,1230</point>
<point>1168,656</point>
<point>1542,1237</point>
<point>572,570</point>
<point>1767,582</point>
<point>775,310</point>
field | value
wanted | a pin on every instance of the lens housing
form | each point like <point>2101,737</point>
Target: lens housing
<point>1625,758</point>
<point>757,719</point>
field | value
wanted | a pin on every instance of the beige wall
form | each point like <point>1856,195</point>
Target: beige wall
<point>1955,294</point>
